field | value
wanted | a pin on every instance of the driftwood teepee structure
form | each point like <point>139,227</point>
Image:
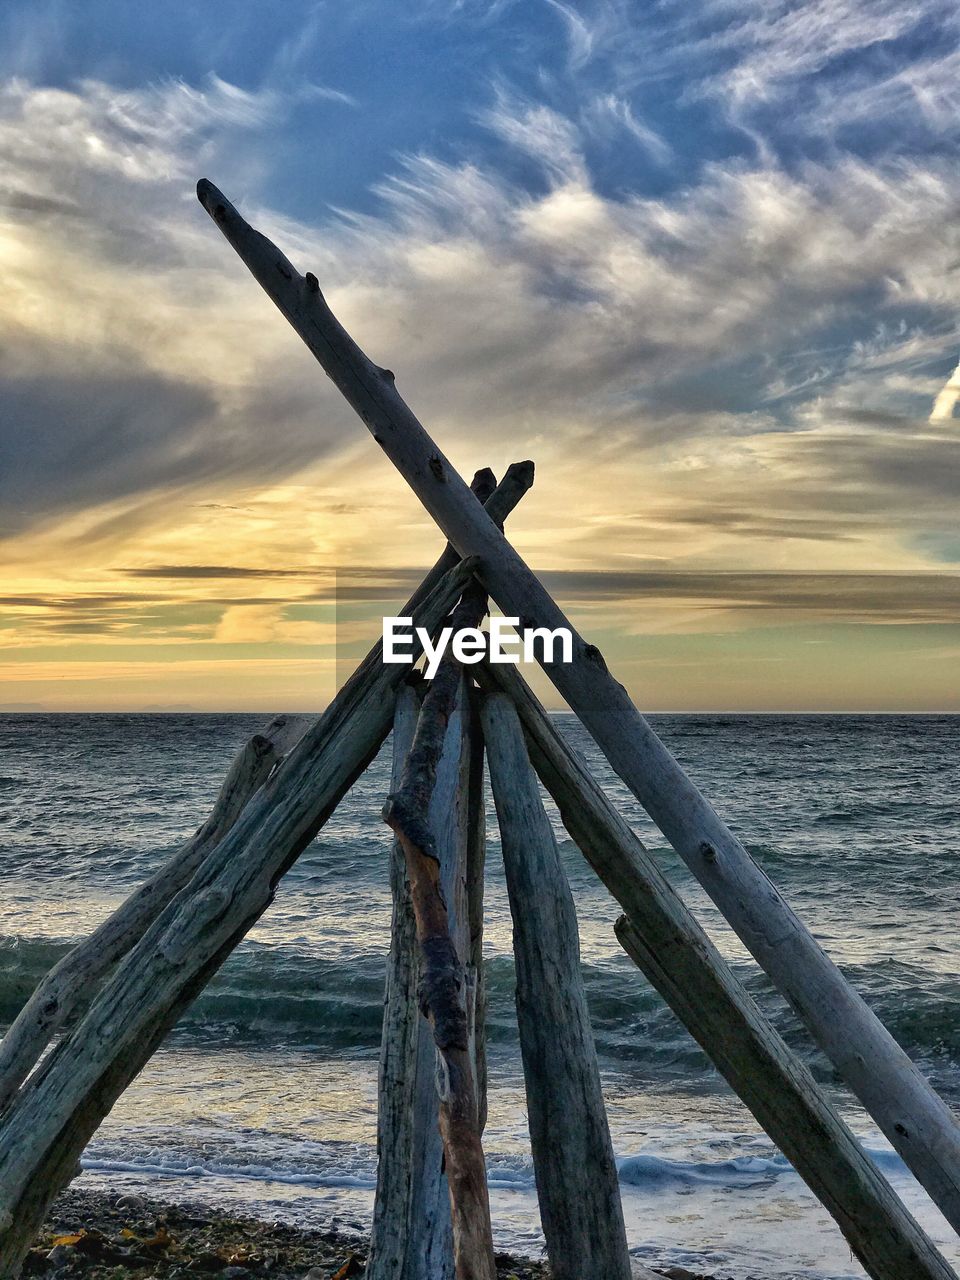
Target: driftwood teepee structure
<point>431,1217</point>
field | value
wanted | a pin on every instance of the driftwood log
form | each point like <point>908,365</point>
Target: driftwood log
<point>444,988</point>
<point>665,940</point>
<point>448,818</point>
<point>476,865</point>
<point>51,1120</point>
<point>412,1230</point>
<point>411,1237</point>
<point>576,1174</point>
<point>74,979</point>
<point>918,1123</point>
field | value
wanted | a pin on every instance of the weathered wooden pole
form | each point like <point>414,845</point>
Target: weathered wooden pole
<point>50,1122</point>
<point>476,866</point>
<point>663,937</point>
<point>573,1161</point>
<point>412,1230</point>
<point>914,1118</point>
<point>411,1237</point>
<point>74,979</point>
<point>444,984</point>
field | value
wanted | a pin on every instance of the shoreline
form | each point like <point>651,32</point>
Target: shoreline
<point>101,1235</point>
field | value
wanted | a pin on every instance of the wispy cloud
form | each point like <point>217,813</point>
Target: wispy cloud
<point>107,396</point>
<point>607,113</point>
<point>773,45</point>
<point>582,35</point>
<point>544,135</point>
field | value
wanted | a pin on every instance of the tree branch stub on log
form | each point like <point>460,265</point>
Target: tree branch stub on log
<point>914,1118</point>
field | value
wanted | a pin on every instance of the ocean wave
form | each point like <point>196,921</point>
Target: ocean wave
<point>274,996</point>
<point>642,1171</point>
<point>649,1172</point>
<point>656,1172</point>
<point>186,1168</point>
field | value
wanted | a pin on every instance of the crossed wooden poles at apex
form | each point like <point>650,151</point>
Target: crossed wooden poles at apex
<point>172,936</point>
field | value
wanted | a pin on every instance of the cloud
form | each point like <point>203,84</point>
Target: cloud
<point>701,260</point>
<point>946,401</point>
<point>610,39</point>
<point>774,44</point>
<point>773,598</point>
<point>608,113</point>
<point>85,438</point>
<point>737,370</point>
<point>204,571</point>
<point>268,624</point>
<point>544,135</point>
<point>581,36</point>
<point>129,365</point>
<point>922,97</point>
<point>627,321</point>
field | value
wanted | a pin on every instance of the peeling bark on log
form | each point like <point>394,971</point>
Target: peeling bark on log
<point>663,937</point>
<point>443,992</point>
<point>914,1118</point>
<point>51,1120</point>
<point>476,862</point>
<point>412,1236</point>
<point>73,980</point>
<point>576,1173</point>
<point>412,1230</point>
<point>448,818</point>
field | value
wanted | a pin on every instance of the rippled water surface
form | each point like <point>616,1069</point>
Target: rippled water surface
<point>266,1094</point>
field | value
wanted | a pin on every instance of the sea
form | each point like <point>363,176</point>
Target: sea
<point>263,1099</point>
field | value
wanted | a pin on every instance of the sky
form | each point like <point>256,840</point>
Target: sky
<point>699,260</point>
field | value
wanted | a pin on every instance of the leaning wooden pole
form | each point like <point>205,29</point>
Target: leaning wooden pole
<point>74,979</point>
<point>444,986</point>
<point>914,1118</point>
<point>664,938</point>
<point>574,1166</point>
